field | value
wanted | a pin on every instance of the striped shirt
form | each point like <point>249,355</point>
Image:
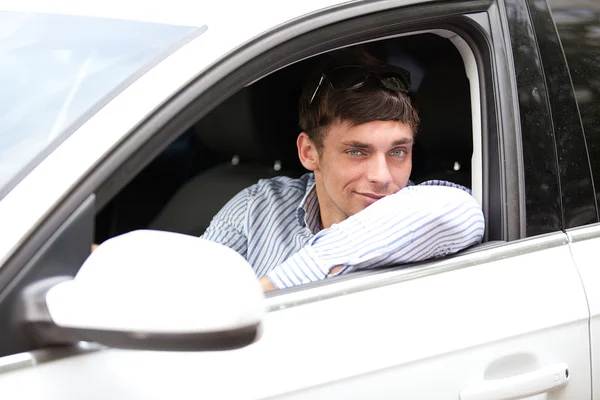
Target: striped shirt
<point>275,225</point>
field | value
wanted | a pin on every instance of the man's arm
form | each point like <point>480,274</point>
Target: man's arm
<point>415,224</point>
<point>266,284</point>
<point>228,227</point>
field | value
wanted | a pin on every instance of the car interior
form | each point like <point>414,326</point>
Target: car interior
<point>252,135</point>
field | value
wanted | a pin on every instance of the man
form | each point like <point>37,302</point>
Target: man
<point>357,208</point>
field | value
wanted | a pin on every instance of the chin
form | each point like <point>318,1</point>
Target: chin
<point>359,208</point>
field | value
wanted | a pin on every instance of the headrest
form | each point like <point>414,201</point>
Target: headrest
<point>259,124</point>
<point>230,129</point>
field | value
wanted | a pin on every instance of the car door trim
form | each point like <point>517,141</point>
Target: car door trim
<point>584,233</point>
<point>358,282</point>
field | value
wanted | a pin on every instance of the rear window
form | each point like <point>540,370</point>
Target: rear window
<point>578,24</point>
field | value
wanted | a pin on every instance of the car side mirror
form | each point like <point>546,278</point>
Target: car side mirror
<point>151,290</point>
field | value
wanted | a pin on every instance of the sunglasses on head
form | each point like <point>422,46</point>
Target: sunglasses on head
<point>351,77</point>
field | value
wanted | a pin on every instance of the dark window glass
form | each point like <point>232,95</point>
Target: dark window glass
<point>542,191</point>
<point>578,24</point>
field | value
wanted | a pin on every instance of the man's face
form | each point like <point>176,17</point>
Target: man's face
<point>358,165</point>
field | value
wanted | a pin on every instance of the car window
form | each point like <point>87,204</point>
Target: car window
<point>223,155</point>
<point>578,24</point>
<point>58,69</point>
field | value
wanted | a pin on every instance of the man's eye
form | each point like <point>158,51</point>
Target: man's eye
<point>398,153</point>
<point>354,152</point>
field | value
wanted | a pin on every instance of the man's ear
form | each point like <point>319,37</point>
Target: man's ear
<point>307,152</point>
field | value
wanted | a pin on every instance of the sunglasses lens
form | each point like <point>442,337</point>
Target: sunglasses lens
<point>394,78</point>
<point>349,77</point>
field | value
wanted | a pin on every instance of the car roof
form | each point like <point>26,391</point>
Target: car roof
<point>234,13</point>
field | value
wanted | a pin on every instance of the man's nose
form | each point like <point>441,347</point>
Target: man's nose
<point>379,170</point>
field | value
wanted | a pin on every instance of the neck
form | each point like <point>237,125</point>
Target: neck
<point>329,213</point>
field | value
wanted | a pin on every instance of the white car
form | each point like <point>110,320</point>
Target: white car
<point>147,117</point>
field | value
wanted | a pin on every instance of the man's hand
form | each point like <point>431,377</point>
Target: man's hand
<point>335,270</point>
<point>266,284</point>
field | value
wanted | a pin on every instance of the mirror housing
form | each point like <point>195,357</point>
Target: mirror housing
<point>157,291</point>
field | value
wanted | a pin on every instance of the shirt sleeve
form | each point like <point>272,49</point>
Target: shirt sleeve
<point>415,224</point>
<point>437,182</point>
<point>228,227</point>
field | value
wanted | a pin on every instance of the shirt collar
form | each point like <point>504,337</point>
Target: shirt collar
<point>308,209</point>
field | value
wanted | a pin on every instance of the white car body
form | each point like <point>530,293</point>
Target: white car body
<point>425,332</point>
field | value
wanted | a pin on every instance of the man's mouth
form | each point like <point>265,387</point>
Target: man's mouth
<point>371,197</point>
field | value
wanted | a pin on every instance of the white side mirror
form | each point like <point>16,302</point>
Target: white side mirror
<point>160,290</point>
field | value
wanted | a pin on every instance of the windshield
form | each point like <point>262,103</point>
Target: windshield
<point>57,70</point>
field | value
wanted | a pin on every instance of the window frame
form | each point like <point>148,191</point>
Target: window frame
<point>504,145</point>
<point>354,32</point>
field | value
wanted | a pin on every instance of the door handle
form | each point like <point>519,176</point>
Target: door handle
<point>529,384</point>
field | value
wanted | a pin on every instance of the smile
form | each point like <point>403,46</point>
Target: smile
<point>370,198</point>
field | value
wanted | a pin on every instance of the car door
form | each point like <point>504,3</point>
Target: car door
<point>583,242</point>
<point>466,329</point>
<point>506,320</point>
<point>498,323</point>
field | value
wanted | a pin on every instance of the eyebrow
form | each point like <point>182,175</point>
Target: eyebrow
<point>361,145</point>
<point>402,141</point>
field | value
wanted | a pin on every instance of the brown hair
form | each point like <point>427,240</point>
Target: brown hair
<point>371,102</point>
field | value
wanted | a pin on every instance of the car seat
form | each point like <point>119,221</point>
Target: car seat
<point>255,130</point>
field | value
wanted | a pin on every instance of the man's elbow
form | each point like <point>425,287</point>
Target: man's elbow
<point>460,227</point>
